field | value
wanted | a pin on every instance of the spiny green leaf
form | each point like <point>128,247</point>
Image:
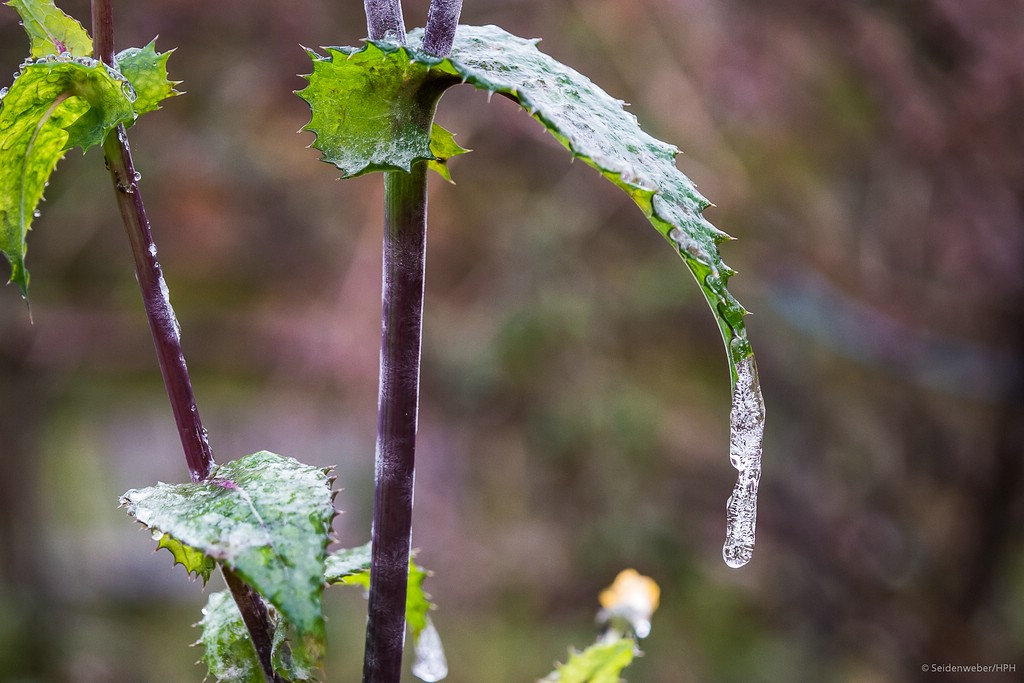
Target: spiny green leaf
<point>365,103</point>
<point>228,651</point>
<point>599,663</point>
<point>54,104</point>
<point>265,516</point>
<point>443,147</point>
<point>146,70</point>
<point>194,561</point>
<point>371,109</point>
<point>50,30</point>
<point>351,567</point>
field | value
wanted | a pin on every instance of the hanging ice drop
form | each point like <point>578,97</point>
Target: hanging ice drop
<point>430,664</point>
<point>746,426</point>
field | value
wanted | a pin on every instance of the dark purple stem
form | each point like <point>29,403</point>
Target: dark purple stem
<point>384,20</point>
<point>442,20</point>
<point>162,322</point>
<point>166,336</point>
<point>404,261</point>
<point>405,232</point>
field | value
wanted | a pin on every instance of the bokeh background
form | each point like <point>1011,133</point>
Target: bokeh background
<point>868,155</point>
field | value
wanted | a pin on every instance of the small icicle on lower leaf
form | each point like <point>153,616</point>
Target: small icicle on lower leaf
<point>430,665</point>
<point>745,441</point>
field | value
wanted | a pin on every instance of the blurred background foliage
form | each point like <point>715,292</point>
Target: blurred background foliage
<point>870,157</point>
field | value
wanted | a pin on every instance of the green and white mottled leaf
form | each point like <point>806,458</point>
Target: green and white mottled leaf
<point>228,651</point>
<point>265,516</point>
<point>54,104</point>
<point>50,30</point>
<point>599,663</point>
<point>370,110</point>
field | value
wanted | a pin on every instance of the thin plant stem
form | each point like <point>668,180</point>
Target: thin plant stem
<point>167,336</point>
<point>398,405</point>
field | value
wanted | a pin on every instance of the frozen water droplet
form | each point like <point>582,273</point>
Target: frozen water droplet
<point>137,176</point>
<point>745,442</point>
<point>36,214</point>
<point>152,249</point>
<point>165,313</point>
<point>430,664</point>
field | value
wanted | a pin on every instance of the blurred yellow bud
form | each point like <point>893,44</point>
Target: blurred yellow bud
<point>632,598</point>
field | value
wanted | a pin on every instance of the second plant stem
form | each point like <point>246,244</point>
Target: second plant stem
<point>167,341</point>
<point>167,336</point>
<point>398,405</point>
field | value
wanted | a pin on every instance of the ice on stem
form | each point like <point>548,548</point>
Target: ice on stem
<point>431,664</point>
<point>746,436</point>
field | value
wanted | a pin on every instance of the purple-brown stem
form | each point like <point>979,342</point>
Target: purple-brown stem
<point>398,404</point>
<point>167,336</point>
<point>405,230</point>
<point>442,20</point>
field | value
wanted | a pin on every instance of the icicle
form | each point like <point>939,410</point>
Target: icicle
<point>430,664</point>
<point>746,435</point>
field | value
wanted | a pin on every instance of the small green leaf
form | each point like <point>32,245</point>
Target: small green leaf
<point>443,147</point>
<point>265,516</point>
<point>194,561</point>
<point>50,30</point>
<point>54,104</point>
<point>228,651</point>
<point>599,663</point>
<point>146,70</point>
<point>351,567</point>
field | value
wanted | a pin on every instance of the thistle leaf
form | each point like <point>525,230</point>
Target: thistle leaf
<point>368,107</point>
<point>194,561</point>
<point>50,30</point>
<point>599,663</point>
<point>351,567</point>
<point>146,70</point>
<point>54,104</point>
<point>443,147</point>
<point>228,651</point>
<point>265,516</point>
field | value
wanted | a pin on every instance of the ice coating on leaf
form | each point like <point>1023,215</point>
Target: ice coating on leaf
<point>430,664</point>
<point>265,516</point>
<point>228,651</point>
<point>746,437</point>
<point>369,108</point>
